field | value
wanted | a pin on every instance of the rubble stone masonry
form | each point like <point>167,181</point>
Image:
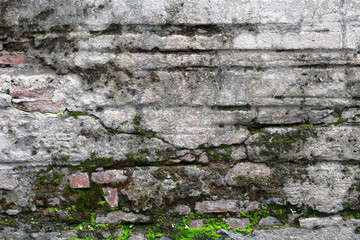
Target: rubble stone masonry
<point>179,119</point>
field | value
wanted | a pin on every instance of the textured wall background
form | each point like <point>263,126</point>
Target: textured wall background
<point>194,109</point>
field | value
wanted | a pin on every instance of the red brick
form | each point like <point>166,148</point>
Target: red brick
<point>15,60</point>
<point>197,223</point>
<point>111,196</point>
<point>217,206</point>
<point>79,180</point>
<point>110,176</point>
<point>38,93</point>
<point>43,106</point>
<point>204,158</point>
<point>237,222</point>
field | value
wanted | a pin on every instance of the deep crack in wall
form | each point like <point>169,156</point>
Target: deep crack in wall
<point>158,119</point>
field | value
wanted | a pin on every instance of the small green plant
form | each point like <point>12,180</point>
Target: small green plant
<point>152,235</point>
<point>44,177</point>
<point>76,114</point>
<point>114,208</point>
<point>340,118</point>
<point>346,216</point>
<point>71,208</point>
<point>292,211</point>
<point>36,35</point>
<point>61,111</point>
<point>102,203</point>
<point>225,147</point>
<point>126,231</point>
<point>52,209</point>
<point>137,119</point>
<point>58,177</point>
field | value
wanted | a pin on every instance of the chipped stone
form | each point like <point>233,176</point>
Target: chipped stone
<point>269,221</point>
<point>7,179</point>
<point>5,100</point>
<point>12,212</point>
<point>111,196</point>
<point>247,206</point>
<point>182,209</point>
<point>188,158</point>
<point>238,153</point>
<point>53,201</point>
<point>109,176</point>
<point>310,223</point>
<point>326,187</point>
<point>247,169</point>
<point>203,158</point>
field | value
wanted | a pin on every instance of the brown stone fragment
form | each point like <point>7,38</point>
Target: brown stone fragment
<point>43,106</point>
<point>188,158</point>
<point>204,158</point>
<point>79,180</point>
<point>111,196</point>
<point>37,93</point>
<point>14,60</point>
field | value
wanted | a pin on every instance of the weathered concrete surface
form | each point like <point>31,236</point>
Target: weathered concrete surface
<point>174,107</point>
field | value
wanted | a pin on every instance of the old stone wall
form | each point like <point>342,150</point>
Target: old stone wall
<point>179,119</point>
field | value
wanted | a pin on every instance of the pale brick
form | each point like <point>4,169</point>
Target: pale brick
<point>217,206</point>
<point>109,176</point>
<point>122,217</point>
